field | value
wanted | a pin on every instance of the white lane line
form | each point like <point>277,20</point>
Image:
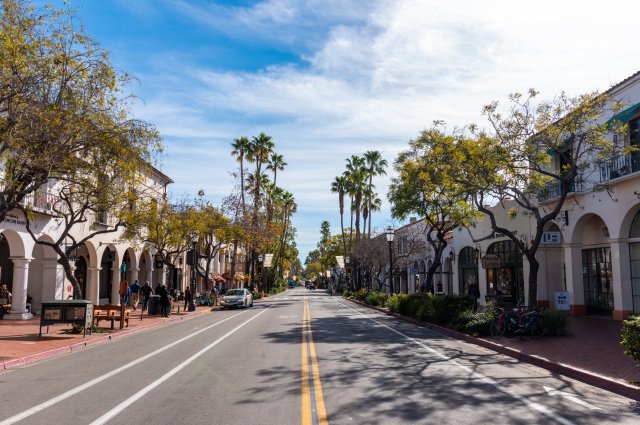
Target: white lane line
<point>74,391</point>
<point>534,406</point>
<point>137,396</point>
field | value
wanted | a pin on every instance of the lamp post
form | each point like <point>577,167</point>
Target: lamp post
<point>260,271</point>
<point>390,234</point>
<point>194,264</point>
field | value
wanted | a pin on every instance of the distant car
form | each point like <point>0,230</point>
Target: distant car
<point>291,284</point>
<point>237,298</point>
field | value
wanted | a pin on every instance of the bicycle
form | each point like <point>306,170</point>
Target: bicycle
<point>517,323</point>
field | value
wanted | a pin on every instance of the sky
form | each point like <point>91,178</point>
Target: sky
<point>327,79</point>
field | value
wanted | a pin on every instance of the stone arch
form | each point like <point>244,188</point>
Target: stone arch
<point>589,230</point>
<point>109,274</point>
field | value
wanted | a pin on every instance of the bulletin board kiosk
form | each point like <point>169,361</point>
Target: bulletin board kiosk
<point>78,312</point>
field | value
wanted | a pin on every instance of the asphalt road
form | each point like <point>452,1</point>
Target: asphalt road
<point>299,358</point>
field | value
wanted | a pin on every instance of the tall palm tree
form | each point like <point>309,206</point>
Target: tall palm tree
<point>260,148</point>
<point>375,165</point>
<point>357,175</point>
<point>240,149</point>
<point>289,207</point>
<point>339,186</point>
<point>276,162</point>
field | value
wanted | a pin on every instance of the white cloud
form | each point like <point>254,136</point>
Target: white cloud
<point>379,75</point>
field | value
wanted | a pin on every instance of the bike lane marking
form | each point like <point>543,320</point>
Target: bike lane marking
<point>532,405</point>
<point>137,396</point>
<point>55,400</point>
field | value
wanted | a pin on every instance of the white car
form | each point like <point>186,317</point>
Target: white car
<point>237,298</point>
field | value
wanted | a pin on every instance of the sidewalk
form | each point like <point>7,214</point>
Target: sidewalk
<point>20,343</point>
<point>591,353</point>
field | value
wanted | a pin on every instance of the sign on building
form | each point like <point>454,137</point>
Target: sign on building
<point>268,258</point>
<point>491,261</point>
<point>551,238</point>
<point>562,300</point>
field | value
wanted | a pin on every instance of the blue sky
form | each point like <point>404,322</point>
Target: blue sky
<point>331,78</point>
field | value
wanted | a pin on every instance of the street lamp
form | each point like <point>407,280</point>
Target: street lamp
<point>194,264</point>
<point>390,234</point>
<point>260,271</point>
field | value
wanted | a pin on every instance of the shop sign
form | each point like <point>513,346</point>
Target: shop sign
<point>491,261</point>
<point>562,300</point>
<point>551,238</point>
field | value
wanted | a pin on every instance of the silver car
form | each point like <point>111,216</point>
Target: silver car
<point>237,298</point>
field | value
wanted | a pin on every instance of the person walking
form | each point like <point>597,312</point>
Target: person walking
<point>188,298</point>
<point>146,293</point>
<point>214,295</point>
<point>164,300</point>
<point>124,292</point>
<point>135,294</point>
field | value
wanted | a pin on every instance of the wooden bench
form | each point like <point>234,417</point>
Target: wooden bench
<point>109,312</point>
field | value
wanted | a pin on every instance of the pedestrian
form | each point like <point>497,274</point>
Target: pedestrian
<point>214,295</point>
<point>135,294</point>
<point>146,293</point>
<point>164,300</point>
<point>188,297</point>
<point>124,292</point>
<point>474,291</point>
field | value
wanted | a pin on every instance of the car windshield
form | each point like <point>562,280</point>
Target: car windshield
<point>235,292</point>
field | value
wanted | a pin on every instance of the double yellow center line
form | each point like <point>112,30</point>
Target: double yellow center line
<point>311,387</point>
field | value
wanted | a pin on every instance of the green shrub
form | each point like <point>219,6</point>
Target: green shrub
<point>256,295</point>
<point>409,304</point>
<point>446,308</point>
<point>479,323</point>
<point>348,294</point>
<point>361,295</point>
<point>557,322</point>
<point>631,337</point>
<point>377,298</point>
<point>393,303</point>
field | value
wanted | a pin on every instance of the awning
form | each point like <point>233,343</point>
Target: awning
<point>219,278</point>
<point>625,115</point>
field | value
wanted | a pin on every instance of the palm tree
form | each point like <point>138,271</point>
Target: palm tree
<point>289,207</point>
<point>276,162</point>
<point>339,186</point>
<point>375,165</point>
<point>240,149</point>
<point>357,175</point>
<point>260,148</point>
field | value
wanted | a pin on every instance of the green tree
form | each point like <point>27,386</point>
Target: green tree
<point>424,187</point>
<point>375,166</point>
<point>339,186</point>
<point>60,99</point>
<point>514,160</point>
<point>241,147</point>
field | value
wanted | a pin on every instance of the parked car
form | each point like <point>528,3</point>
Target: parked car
<point>237,298</point>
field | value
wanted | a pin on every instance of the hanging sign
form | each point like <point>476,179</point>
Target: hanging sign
<point>268,258</point>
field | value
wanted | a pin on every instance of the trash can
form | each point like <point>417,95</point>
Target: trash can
<point>154,304</point>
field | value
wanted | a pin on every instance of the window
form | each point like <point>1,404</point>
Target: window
<point>634,131</point>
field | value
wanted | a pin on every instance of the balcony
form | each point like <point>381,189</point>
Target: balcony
<point>554,190</point>
<point>41,201</point>
<point>620,166</point>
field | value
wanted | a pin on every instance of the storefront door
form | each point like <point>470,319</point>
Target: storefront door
<point>597,280</point>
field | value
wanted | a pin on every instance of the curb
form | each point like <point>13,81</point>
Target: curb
<point>31,358</point>
<point>591,378</point>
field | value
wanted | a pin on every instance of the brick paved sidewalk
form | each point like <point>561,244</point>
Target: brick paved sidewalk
<point>593,344</point>
<point>20,343</point>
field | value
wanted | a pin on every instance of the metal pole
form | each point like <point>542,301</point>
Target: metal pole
<point>192,306</point>
<point>390,269</point>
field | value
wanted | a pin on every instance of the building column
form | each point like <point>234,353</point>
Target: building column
<point>622,294</point>
<point>575,286</point>
<point>19,297</point>
<point>93,285</point>
<point>134,275</point>
<point>115,285</point>
<point>149,276</point>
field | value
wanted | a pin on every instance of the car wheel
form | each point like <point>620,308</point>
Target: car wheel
<point>251,303</point>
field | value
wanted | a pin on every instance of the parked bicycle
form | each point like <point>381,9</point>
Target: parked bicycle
<point>518,323</point>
